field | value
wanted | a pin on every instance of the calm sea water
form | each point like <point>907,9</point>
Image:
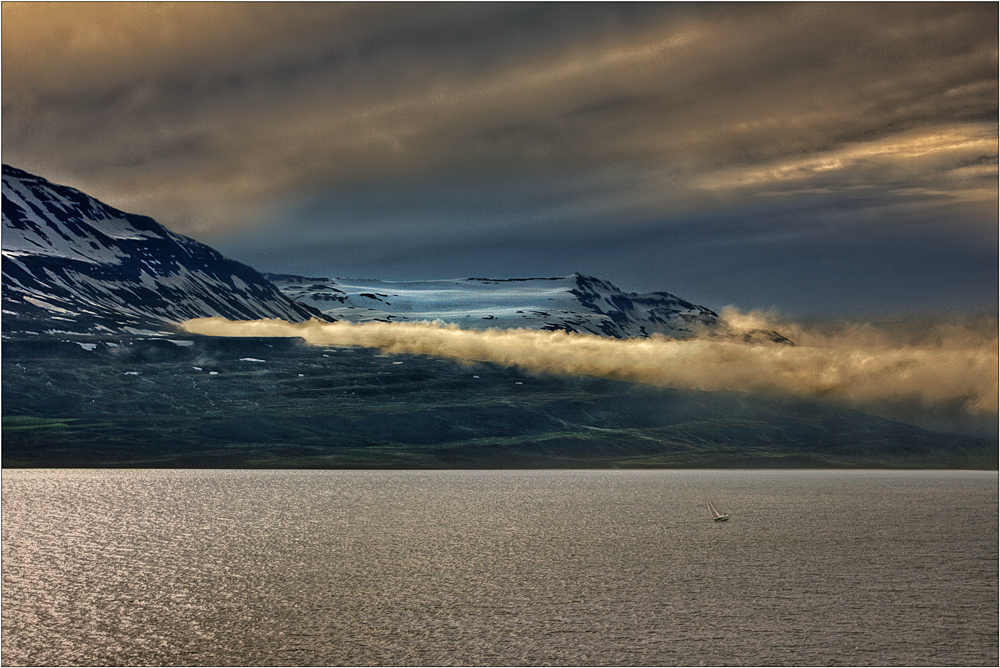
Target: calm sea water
<point>499,568</point>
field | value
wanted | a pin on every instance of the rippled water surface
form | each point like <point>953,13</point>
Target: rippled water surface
<point>474,568</point>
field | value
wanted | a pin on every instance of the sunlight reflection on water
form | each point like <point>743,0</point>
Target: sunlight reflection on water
<point>527,568</point>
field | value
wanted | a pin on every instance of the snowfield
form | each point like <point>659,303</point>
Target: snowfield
<point>575,303</point>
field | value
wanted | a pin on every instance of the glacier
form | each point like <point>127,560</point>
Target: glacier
<point>575,303</point>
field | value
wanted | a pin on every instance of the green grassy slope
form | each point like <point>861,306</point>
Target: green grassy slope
<point>278,403</point>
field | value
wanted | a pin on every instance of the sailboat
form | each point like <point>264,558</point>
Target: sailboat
<point>716,515</point>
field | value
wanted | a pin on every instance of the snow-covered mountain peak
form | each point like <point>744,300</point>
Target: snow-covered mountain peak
<point>85,224</point>
<point>73,264</point>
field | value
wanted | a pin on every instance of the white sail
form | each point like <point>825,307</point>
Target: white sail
<point>716,515</point>
<point>711,509</point>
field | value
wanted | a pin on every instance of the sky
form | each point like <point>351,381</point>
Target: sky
<point>821,160</point>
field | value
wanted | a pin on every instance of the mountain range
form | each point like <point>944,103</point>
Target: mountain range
<point>76,266</point>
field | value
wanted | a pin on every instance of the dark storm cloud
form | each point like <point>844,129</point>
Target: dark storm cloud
<point>206,103</point>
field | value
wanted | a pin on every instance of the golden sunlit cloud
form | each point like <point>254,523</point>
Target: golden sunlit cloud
<point>925,153</point>
<point>860,365</point>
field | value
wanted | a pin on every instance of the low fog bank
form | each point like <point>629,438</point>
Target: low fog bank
<point>940,375</point>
